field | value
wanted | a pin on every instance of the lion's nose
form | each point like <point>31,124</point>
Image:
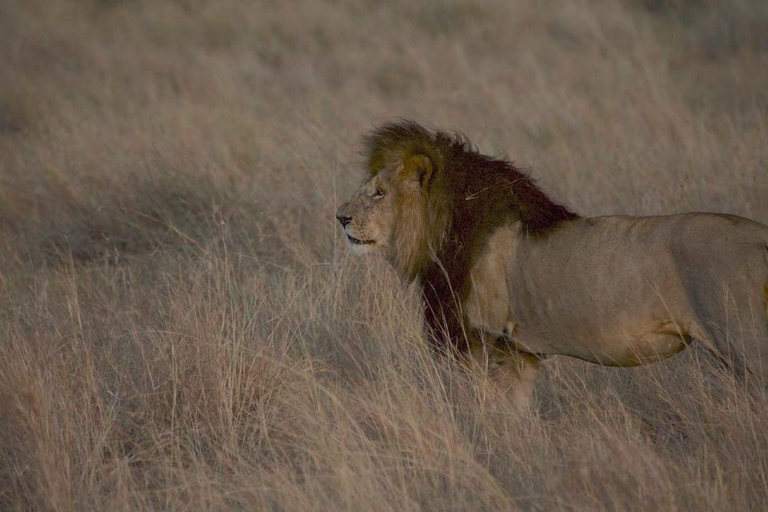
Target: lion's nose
<point>343,219</point>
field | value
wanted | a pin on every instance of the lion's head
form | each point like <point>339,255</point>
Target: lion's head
<point>368,217</point>
<point>430,197</point>
<point>397,211</point>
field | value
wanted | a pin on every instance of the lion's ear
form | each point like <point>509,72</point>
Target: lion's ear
<point>418,170</point>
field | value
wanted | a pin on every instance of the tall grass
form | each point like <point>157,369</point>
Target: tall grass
<point>181,325</point>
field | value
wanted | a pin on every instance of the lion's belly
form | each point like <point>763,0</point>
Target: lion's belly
<point>610,346</point>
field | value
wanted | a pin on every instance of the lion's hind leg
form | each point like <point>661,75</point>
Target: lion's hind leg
<point>736,333</point>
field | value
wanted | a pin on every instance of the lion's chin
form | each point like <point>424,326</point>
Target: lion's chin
<point>360,249</point>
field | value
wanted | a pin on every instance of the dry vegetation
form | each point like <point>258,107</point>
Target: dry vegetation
<point>181,327</point>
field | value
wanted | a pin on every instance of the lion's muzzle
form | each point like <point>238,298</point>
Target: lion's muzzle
<point>343,219</point>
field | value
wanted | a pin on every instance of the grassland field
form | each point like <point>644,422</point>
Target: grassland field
<point>181,327</point>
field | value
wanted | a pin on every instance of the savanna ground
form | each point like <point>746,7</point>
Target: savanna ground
<point>181,325</point>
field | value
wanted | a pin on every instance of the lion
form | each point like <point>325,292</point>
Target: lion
<point>509,277</point>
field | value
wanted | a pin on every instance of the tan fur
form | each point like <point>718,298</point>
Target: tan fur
<point>509,277</point>
<point>626,291</point>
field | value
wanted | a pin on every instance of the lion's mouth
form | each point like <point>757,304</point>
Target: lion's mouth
<point>358,241</point>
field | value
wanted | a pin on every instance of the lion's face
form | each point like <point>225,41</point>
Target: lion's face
<point>389,213</point>
<point>368,217</point>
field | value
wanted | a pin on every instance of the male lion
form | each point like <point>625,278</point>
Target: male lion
<point>508,276</point>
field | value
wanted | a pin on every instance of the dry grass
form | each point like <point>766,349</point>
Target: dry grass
<point>182,329</point>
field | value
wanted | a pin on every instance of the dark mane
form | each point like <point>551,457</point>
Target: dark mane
<point>480,193</point>
<point>483,180</point>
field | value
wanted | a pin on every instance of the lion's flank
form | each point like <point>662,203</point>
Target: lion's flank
<point>463,197</point>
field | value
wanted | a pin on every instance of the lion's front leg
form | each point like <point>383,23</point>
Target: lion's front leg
<point>510,371</point>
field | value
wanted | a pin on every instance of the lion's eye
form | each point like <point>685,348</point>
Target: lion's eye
<point>378,193</point>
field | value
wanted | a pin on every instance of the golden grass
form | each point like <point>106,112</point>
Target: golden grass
<point>181,325</point>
